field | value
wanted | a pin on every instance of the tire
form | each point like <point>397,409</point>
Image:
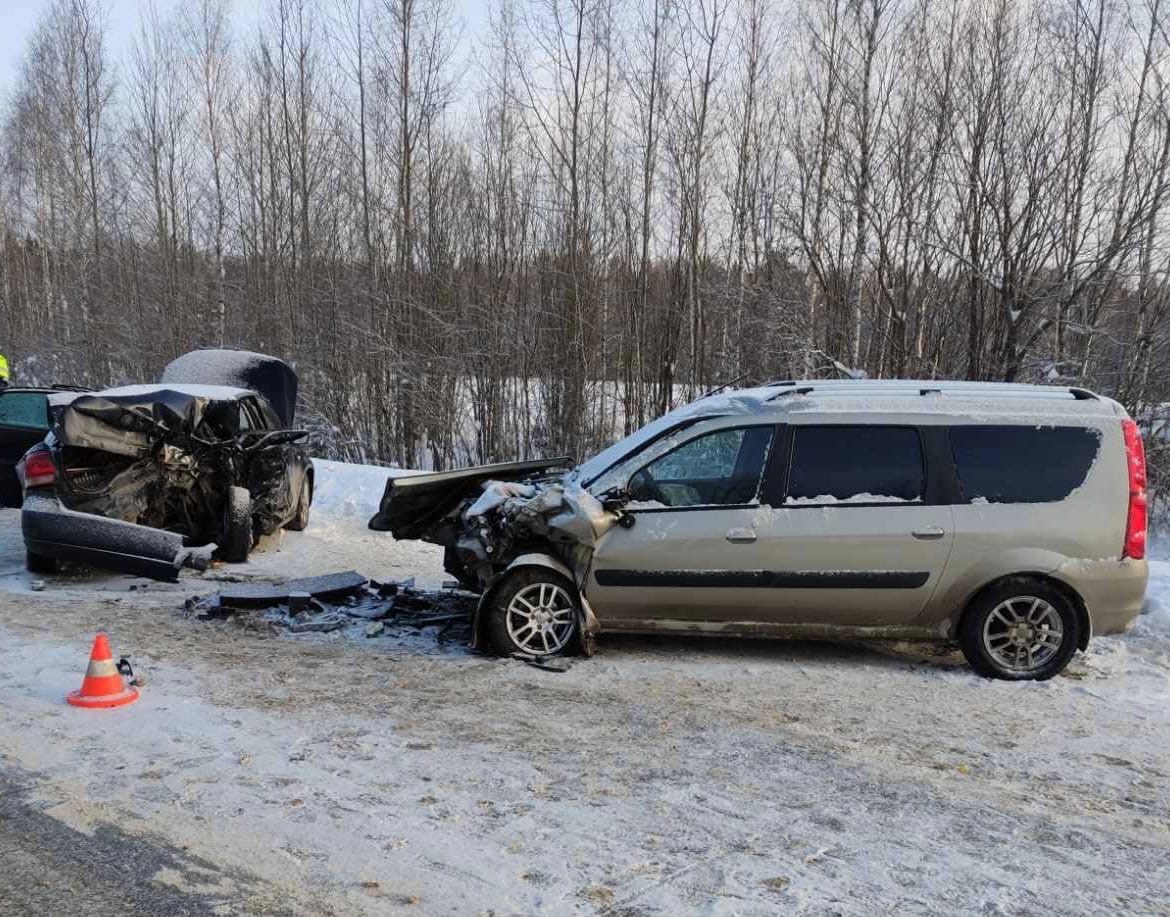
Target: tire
<point>1020,629</point>
<point>509,623</point>
<point>237,526</point>
<point>300,520</point>
<point>39,563</point>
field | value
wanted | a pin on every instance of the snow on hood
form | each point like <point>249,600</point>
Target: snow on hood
<point>257,372</point>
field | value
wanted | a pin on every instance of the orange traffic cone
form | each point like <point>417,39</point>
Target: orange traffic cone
<point>102,686</point>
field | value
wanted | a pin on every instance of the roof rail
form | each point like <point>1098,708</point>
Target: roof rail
<point>902,387</point>
<point>803,390</point>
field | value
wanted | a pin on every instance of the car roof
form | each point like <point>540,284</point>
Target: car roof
<point>210,392</point>
<point>907,400</point>
<point>906,396</point>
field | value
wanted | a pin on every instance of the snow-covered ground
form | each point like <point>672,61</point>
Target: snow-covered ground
<point>663,776</point>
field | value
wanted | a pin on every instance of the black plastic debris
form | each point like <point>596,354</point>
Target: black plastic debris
<point>557,664</point>
<point>414,619</point>
<point>330,587</point>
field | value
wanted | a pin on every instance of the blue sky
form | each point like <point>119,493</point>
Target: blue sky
<point>19,17</point>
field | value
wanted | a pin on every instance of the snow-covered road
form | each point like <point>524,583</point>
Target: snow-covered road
<point>662,776</point>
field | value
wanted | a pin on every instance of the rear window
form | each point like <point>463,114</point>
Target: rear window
<point>1022,464</point>
<point>27,410</point>
<point>855,464</point>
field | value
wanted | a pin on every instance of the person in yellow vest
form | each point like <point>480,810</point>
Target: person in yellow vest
<point>3,371</point>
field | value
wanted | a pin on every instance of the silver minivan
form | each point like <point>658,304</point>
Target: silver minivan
<point>1011,518</point>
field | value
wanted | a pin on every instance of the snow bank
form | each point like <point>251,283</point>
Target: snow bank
<point>1155,616</point>
<point>345,492</point>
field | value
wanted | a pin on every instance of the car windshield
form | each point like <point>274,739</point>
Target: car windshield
<point>592,469</point>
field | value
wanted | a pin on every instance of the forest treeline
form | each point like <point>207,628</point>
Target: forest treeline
<point>529,238</point>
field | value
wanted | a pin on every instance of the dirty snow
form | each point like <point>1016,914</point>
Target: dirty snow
<point>663,776</point>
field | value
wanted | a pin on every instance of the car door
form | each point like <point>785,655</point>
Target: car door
<point>692,554</point>
<point>276,468</point>
<point>24,421</point>
<point>861,534</point>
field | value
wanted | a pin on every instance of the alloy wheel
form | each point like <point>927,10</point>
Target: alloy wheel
<point>541,618</point>
<point>1023,633</point>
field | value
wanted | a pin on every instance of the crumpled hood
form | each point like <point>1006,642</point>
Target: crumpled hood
<point>413,506</point>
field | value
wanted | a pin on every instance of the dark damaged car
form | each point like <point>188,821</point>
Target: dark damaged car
<point>147,479</point>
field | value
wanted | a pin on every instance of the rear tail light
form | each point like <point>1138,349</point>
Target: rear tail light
<point>1135,525</point>
<point>39,470</point>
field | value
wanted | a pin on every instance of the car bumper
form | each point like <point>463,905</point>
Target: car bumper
<point>1113,591</point>
<point>53,530</point>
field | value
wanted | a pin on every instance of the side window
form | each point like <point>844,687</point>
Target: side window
<point>1017,464</point>
<point>267,417</point>
<point>722,468</point>
<point>250,416</point>
<point>245,418</point>
<point>27,410</point>
<point>855,464</point>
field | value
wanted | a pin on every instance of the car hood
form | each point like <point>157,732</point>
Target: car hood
<point>258,372</point>
<point>412,505</point>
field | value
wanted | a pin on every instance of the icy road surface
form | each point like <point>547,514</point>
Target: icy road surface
<point>663,776</point>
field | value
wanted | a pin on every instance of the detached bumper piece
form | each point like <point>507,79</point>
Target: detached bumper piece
<point>52,530</point>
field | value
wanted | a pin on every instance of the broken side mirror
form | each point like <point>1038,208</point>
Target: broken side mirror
<point>614,499</point>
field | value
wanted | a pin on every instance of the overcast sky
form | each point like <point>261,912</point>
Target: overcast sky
<point>18,18</point>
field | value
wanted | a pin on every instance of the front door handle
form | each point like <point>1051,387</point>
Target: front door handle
<point>928,533</point>
<point>741,536</point>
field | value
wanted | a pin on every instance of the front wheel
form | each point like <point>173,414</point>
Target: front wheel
<point>237,526</point>
<point>300,521</point>
<point>1020,629</point>
<point>535,612</point>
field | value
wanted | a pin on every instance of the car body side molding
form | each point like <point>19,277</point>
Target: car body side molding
<point>765,579</point>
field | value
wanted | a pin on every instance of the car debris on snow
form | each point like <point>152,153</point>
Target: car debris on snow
<point>343,602</point>
<point>488,516</point>
<point>263,595</point>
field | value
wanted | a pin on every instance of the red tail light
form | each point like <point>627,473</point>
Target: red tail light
<point>39,470</point>
<point>1135,526</point>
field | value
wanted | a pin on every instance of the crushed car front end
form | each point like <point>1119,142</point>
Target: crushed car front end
<point>493,520</point>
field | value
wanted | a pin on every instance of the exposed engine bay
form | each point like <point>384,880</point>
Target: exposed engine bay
<point>485,517</point>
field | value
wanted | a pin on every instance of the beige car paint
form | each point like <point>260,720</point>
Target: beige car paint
<point>1076,541</point>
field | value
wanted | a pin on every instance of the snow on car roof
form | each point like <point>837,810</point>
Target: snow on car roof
<point>905,396</point>
<point>211,392</point>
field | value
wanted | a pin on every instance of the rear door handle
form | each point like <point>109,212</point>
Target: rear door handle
<point>928,533</point>
<point>741,536</point>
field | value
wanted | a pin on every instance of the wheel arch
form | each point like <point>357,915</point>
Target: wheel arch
<point>528,559</point>
<point>1074,597</point>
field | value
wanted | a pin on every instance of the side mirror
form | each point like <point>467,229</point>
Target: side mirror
<point>614,499</point>
<point>641,488</point>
